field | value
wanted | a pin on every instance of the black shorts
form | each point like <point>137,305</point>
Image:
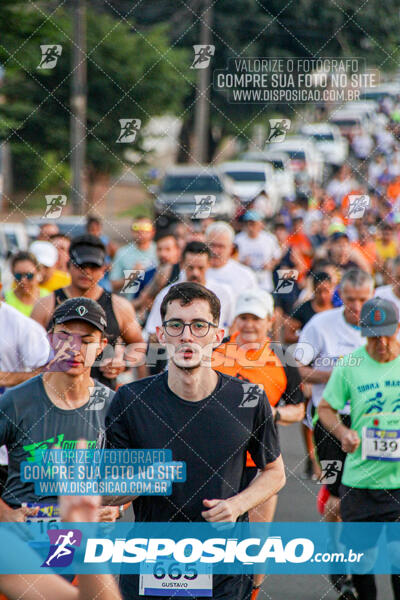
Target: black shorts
<point>329,448</point>
<point>358,505</point>
<point>376,506</point>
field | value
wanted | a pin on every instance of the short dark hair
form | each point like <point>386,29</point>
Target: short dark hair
<point>92,219</point>
<point>23,255</point>
<point>87,240</point>
<point>186,292</point>
<point>320,277</point>
<point>166,233</point>
<point>196,248</point>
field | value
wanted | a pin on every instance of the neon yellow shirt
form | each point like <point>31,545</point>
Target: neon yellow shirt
<point>16,303</point>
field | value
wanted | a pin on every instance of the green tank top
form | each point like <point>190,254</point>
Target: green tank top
<point>25,309</point>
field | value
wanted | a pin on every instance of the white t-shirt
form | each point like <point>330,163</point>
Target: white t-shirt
<point>239,277</point>
<point>223,292</point>
<point>386,292</point>
<point>327,336</point>
<point>23,342</point>
<point>259,250</point>
<point>23,347</point>
<point>338,189</point>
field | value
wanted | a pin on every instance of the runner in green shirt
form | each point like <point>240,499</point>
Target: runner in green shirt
<point>369,379</point>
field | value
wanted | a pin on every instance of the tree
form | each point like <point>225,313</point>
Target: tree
<point>130,75</point>
<point>270,28</point>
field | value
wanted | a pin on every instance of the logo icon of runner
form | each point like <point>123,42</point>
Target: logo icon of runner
<point>60,554</point>
<point>357,206</point>
<point>132,281</point>
<point>129,130</point>
<point>98,397</point>
<point>286,281</point>
<point>50,55</point>
<point>63,349</point>
<point>330,469</point>
<point>204,205</point>
<point>54,205</point>
<point>251,395</point>
<point>278,130</point>
<point>202,56</point>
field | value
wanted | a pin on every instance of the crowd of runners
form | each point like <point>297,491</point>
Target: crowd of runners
<point>205,337</point>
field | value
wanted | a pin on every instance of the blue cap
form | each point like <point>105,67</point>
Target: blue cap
<point>252,215</point>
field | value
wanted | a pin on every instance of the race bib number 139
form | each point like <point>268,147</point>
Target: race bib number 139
<point>380,444</point>
<point>170,578</point>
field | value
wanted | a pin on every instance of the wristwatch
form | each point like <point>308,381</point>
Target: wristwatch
<point>277,416</point>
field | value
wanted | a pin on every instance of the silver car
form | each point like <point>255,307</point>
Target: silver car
<point>185,190</point>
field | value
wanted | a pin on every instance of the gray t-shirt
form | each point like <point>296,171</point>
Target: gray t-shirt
<point>29,421</point>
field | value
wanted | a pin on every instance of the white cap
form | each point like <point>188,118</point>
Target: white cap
<point>255,302</point>
<point>46,254</point>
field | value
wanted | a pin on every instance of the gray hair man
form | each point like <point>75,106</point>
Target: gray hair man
<point>220,237</point>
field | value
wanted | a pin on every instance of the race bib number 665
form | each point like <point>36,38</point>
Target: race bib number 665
<point>170,578</point>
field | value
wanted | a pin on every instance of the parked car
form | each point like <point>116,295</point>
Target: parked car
<point>247,179</point>
<point>329,141</point>
<point>71,225</point>
<point>283,174</point>
<point>305,158</point>
<point>379,92</point>
<point>13,237</point>
<point>350,122</point>
<point>176,194</point>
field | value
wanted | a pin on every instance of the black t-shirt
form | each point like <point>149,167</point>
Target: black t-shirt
<point>211,436</point>
<point>304,313</point>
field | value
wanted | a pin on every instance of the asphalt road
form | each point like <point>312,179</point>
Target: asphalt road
<point>297,502</point>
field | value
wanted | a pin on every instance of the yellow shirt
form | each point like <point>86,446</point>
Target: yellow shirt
<point>388,251</point>
<point>59,279</point>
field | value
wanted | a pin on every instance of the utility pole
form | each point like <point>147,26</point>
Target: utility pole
<point>78,104</point>
<point>202,107</point>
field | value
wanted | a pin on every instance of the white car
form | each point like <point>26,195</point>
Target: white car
<point>329,141</point>
<point>283,174</point>
<point>379,92</point>
<point>305,158</point>
<point>350,122</point>
<point>247,179</point>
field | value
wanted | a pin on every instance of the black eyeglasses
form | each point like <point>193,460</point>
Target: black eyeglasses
<point>198,327</point>
<point>21,276</point>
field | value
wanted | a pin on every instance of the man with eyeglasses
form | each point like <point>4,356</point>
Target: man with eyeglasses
<point>208,421</point>
<point>86,266</point>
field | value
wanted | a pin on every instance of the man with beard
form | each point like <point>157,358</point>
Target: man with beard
<point>190,409</point>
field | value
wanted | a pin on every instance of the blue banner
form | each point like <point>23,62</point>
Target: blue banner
<point>276,548</point>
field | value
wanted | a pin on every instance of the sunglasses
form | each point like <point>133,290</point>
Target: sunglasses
<point>142,227</point>
<point>21,276</point>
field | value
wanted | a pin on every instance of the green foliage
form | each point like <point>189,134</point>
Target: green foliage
<point>130,75</point>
